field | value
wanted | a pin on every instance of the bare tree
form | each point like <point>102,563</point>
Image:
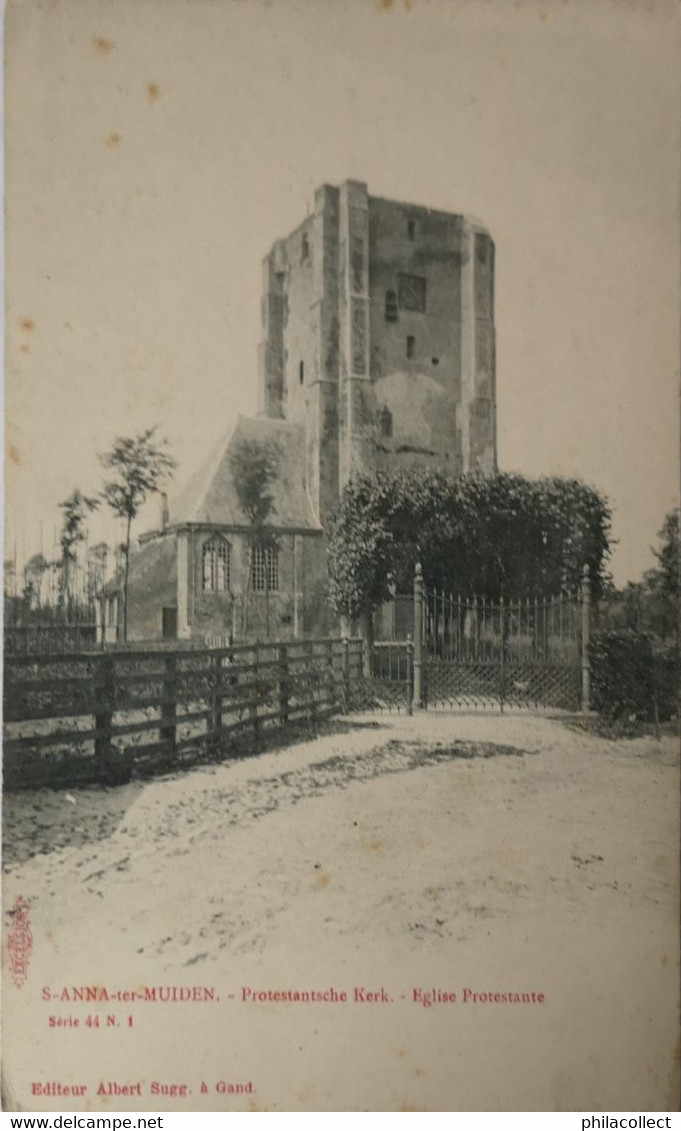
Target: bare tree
<point>73,531</point>
<point>34,572</point>
<point>97,560</point>
<point>140,465</point>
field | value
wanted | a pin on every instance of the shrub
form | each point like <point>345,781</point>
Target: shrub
<point>499,535</point>
<point>633,676</point>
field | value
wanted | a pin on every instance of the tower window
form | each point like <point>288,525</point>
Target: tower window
<point>216,565</point>
<point>301,372</point>
<point>390,306</point>
<point>411,229</point>
<point>304,248</point>
<point>385,422</point>
<point>412,293</point>
<point>411,345</point>
<point>265,570</point>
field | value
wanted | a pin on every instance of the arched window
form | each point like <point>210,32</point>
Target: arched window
<point>265,572</point>
<point>216,565</point>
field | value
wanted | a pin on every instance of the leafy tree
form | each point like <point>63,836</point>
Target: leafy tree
<point>503,535</point>
<point>664,582</point>
<point>669,569</point>
<point>253,466</point>
<point>653,604</point>
<point>76,509</point>
<point>140,465</point>
<point>9,573</point>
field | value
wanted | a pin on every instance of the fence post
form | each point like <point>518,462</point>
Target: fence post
<point>410,675</point>
<point>105,691</point>
<point>169,705</point>
<point>586,632</point>
<point>331,681</point>
<point>502,660</point>
<point>346,674</point>
<point>312,682</point>
<point>255,696</point>
<point>282,658</point>
<point>216,663</point>
<point>418,636</point>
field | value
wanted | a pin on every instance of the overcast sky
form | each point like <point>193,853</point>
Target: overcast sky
<point>155,150</point>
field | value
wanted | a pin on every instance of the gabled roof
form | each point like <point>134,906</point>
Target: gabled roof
<point>151,563</point>
<point>210,496</point>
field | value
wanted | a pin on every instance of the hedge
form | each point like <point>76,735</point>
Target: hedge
<point>633,675</point>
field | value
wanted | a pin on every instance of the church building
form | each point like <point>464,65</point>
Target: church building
<point>377,352</point>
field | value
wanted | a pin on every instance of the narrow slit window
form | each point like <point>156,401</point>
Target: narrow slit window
<point>411,346</point>
<point>385,423</point>
<point>411,229</point>
<point>391,306</point>
<point>304,248</point>
<point>301,372</point>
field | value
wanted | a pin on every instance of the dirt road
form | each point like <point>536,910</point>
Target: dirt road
<point>465,859</point>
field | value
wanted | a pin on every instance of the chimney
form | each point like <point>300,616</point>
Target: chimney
<point>165,513</point>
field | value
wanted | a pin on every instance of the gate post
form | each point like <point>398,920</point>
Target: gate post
<point>410,675</point>
<point>368,642</point>
<point>418,636</point>
<point>586,632</point>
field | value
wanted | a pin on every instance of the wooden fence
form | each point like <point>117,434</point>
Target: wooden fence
<point>93,717</point>
<point>54,638</point>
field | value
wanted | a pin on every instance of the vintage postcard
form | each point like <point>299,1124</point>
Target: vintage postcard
<point>341,590</point>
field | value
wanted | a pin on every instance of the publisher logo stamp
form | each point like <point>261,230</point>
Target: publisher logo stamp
<point>19,941</point>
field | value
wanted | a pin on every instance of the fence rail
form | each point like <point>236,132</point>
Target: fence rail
<point>37,639</point>
<point>85,717</point>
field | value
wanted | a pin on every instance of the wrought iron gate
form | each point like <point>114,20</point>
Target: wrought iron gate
<point>469,651</point>
<point>482,653</point>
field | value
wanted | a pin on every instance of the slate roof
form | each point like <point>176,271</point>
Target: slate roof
<point>210,497</point>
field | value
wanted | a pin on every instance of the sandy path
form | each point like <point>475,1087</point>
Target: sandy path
<point>447,851</point>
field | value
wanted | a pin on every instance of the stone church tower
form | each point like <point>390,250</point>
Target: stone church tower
<point>377,352</point>
<point>379,340</point>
